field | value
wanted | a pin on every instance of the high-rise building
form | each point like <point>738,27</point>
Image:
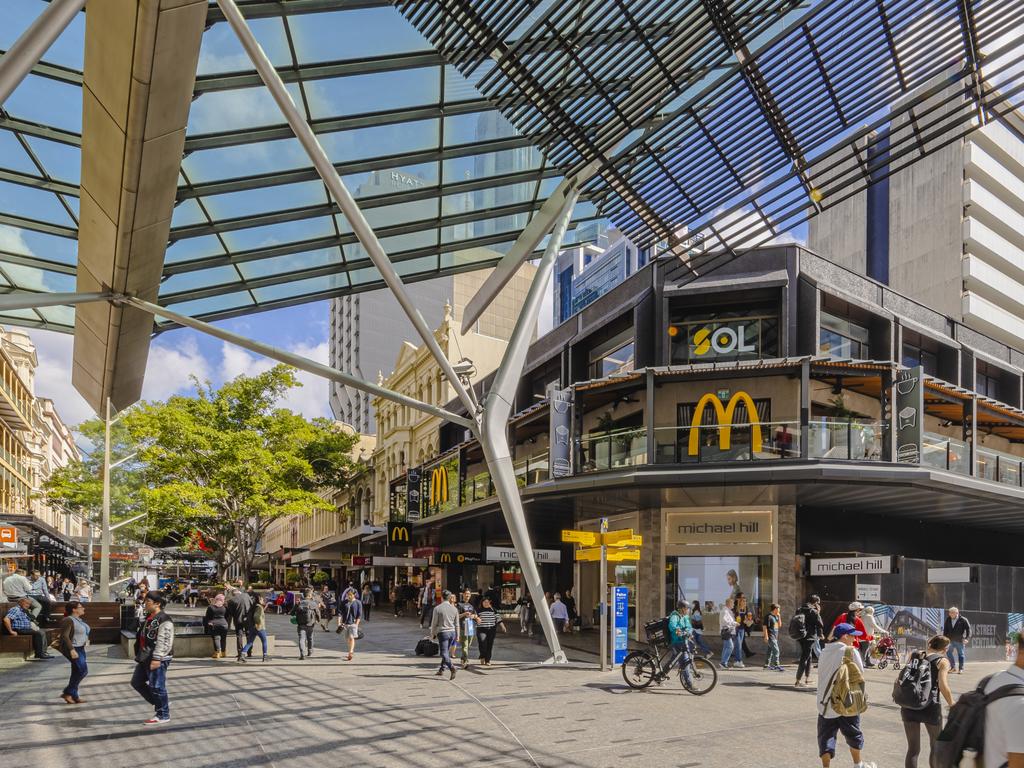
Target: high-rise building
<point>948,230</point>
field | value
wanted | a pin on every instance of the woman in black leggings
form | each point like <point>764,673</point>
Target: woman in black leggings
<point>814,630</point>
<point>931,716</point>
<point>215,622</point>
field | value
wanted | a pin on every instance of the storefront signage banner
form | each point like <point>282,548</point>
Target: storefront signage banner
<point>958,575</point>
<point>456,558</point>
<point>401,562</point>
<point>909,415</point>
<point>359,561</point>
<point>412,495</point>
<point>423,551</point>
<point>993,635</point>
<point>509,555</point>
<point>850,566</point>
<point>560,435</point>
<point>719,528</point>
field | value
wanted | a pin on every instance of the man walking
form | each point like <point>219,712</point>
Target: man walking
<point>18,621</point>
<point>444,629</point>
<point>351,616</point>
<point>307,613</point>
<point>154,650</point>
<point>1004,737</point>
<point>840,660</point>
<point>958,629</point>
<point>239,611</point>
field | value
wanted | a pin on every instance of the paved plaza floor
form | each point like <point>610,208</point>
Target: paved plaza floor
<point>386,708</point>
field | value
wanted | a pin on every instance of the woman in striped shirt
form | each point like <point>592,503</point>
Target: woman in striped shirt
<point>487,628</point>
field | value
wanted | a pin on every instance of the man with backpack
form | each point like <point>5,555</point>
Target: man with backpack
<point>806,627</point>
<point>841,698</point>
<point>306,613</point>
<point>919,689</point>
<point>1004,718</point>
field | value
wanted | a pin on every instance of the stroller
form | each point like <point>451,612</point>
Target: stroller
<point>885,650</point>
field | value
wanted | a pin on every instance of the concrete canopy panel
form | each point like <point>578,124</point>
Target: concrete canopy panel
<point>140,67</point>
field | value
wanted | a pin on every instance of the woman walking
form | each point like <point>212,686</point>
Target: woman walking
<point>931,716</point>
<point>366,598</point>
<point>215,622</point>
<point>489,620</point>
<point>74,637</point>
<point>259,627</point>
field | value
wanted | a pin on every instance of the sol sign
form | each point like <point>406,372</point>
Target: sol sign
<point>724,340</point>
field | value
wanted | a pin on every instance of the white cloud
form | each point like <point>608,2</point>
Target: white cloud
<point>53,376</point>
<point>311,399</point>
<point>170,368</point>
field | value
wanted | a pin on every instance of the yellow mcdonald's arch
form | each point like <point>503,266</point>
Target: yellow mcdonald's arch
<point>446,557</point>
<point>399,533</point>
<point>438,485</point>
<point>724,414</point>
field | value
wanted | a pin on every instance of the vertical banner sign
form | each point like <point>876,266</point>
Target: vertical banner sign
<point>412,495</point>
<point>909,415</point>
<point>561,431</point>
<point>621,625</point>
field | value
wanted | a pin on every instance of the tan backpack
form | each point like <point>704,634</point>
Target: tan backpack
<point>847,695</point>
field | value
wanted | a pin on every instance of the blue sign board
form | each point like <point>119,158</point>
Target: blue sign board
<point>621,625</point>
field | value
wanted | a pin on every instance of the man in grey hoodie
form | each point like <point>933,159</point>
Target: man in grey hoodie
<point>444,628</point>
<point>239,612</point>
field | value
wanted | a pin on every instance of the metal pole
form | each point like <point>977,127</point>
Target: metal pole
<point>104,595</point>
<point>603,607</point>
<point>329,175</point>
<point>494,424</point>
<point>298,361</point>
<point>34,42</point>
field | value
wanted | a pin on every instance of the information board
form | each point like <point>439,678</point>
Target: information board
<point>620,626</point>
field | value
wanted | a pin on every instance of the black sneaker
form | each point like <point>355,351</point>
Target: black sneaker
<point>452,676</point>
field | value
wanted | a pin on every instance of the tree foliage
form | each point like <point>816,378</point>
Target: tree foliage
<point>225,463</point>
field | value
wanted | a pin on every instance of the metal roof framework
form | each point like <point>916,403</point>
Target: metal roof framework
<point>737,120</point>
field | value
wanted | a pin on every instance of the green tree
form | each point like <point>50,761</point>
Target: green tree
<point>226,462</point>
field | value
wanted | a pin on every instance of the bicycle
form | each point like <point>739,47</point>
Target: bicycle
<point>641,668</point>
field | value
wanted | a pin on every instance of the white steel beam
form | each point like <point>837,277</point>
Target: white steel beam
<point>325,168</point>
<point>494,424</point>
<point>297,361</point>
<point>34,42</point>
<point>29,300</point>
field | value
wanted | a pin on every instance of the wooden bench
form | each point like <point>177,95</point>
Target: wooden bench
<point>104,620</point>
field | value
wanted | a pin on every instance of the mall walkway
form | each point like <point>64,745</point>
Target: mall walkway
<point>387,708</point>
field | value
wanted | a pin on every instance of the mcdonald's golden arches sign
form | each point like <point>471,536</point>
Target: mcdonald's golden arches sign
<point>724,414</point>
<point>399,533</point>
<point>438,485</point>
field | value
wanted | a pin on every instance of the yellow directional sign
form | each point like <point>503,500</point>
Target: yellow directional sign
<point>584,538</point>
<point>617,539</point>
<point>588,555</point>
<point>618,555</point>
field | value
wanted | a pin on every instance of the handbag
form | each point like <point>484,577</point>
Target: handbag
<point>727,633</point>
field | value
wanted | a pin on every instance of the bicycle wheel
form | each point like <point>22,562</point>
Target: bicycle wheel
<point>699,676</point>
<point>638,669</point>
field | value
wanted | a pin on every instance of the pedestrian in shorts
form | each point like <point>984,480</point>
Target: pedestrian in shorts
<point>351,615</point>
<point>830,722</point>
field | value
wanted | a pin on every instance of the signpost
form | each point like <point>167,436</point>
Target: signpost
<point>620,639</point>
<point>606,546</point>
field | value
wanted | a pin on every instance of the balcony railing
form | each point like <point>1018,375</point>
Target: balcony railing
<point>945,453</point>
<point>611,450</point>
<point>999,467</point>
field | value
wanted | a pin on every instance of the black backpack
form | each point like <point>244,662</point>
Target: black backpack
<point>965,727</point>
<point>305,614</point>
<point>914,683</point>
<point>798,626</point>
<point>426,647</point>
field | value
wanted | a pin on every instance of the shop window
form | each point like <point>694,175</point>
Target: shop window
<point>747,334</point>
<point>843,338</point>
<point>919,350</point>
<point>617,355</point>
<point>711,580</point>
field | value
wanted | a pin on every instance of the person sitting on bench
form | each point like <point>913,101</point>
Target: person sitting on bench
<point>18,621</point>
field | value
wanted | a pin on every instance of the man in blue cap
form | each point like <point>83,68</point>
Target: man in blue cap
<point>833,664</point>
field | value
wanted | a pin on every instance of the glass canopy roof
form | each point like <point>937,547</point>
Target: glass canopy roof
<point>735,120</point>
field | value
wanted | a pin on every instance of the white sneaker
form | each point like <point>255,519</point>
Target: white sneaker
<point>157,721</point>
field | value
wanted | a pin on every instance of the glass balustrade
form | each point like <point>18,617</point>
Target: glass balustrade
<point>611,450</point>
